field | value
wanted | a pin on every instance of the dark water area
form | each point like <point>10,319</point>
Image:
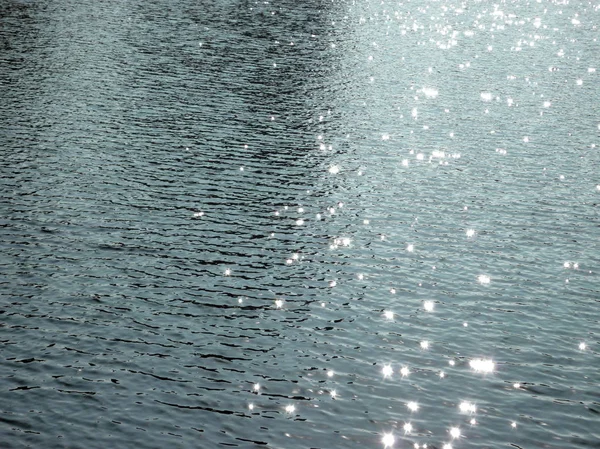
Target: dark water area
<point>298,225</point>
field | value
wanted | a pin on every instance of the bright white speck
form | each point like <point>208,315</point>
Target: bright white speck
<point>366,222</point>
<point>241,168</point>
<point>482,365</point>
<point>290,408</point>
<point>393,291</point>
<point>299,222</point>
<point>408,427</point>
<point>526,139</point>
<point>513,425</point>
<point>227,272</point>
<point>256,387</point>
<point>451,362</point>
<point>279,303</point>
<point>389,314</point>
<point>330,373</point>
<point>425,344</point>
<point>198,214</point>
<point>334,169</point>
<point>289,261</point>
<point>470,232</point>
<point>360,276</point>
<point>344,241</point>
<point>404,371</point>
<point>385,137</point>
<point>388,440</point>
<point>516,385</point>
<point>473,421</point>
<point>410,248</point>
<point>405,162</point>
<point>428,306</point>
<point>332,283</point>
<point>430,92</point>
<point>420,156</point>
<point>412,406</point>
<point>387,371</point>
<point>486,96</point>
<point>582,346</point>
<point>467,407</point>
<point>251,406</point>
<point>447,446</point>
<point>465,324</point>
<point>454,432</point>
<point>442,374</point>
<point>579,82</point>
<point>333,394</point>
<point>483,279</point>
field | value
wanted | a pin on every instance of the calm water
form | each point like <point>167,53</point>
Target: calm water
<point>299,224</point>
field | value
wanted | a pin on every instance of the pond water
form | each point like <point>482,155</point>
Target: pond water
<point>299,225</point>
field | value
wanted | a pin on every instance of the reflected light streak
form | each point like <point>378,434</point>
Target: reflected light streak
<point>482,365</point>
<point>467,407</point>
<point>388,440</point>
<point>387,371</point>
<point>412,406</point>
<point>483,279</point>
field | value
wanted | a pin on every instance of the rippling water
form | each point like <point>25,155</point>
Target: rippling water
<point>299,224</point>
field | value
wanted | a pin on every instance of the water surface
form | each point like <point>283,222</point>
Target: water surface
<point>280,224</point>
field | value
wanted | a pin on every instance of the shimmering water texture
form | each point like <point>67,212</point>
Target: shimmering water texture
<point>314,224</point>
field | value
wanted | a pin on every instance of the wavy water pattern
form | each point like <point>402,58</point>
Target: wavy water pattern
<point>299,224</point>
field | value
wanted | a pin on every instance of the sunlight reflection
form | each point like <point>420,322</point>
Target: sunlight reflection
<point>388,440</point>
<point>482,365</point>
<point>467,407</point>
<point>428,306</point>
<point>412,406</point>
<point>483,279</point>
<point>387,371</point>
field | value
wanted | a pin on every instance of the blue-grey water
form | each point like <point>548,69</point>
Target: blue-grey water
<point>299,224</point>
